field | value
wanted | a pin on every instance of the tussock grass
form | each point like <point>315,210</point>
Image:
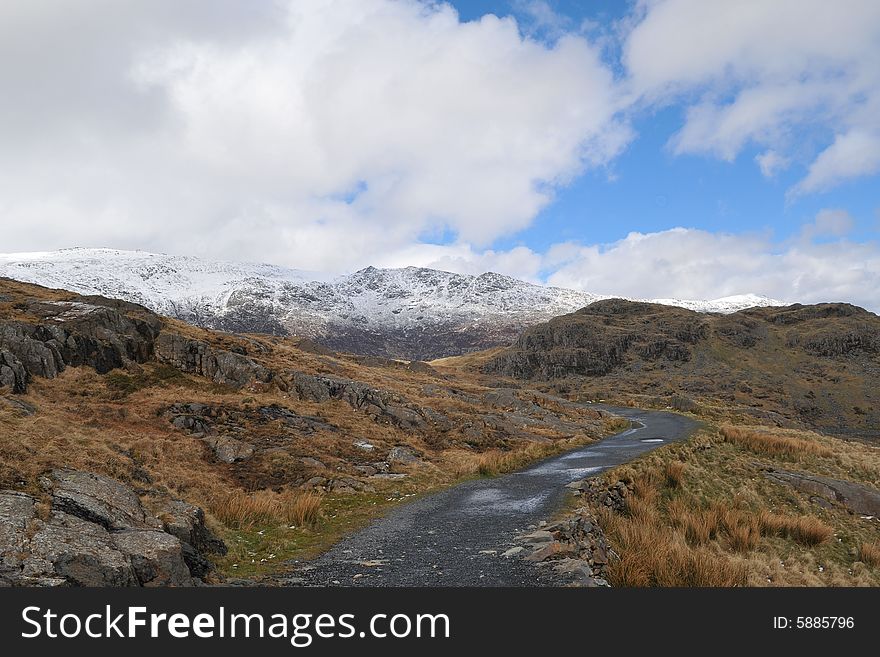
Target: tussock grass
<point>869,554</point>
<point>240,510</point>
<point>702,514</point>
<point>675,473</point>
<point>743,538</point>
<point>806,530</point>
<point>699,526</point>
<point>762,442</point>
<point>496,462</point>
<point>654,555</point>
<point>645,486</point>
<point>642,503</point>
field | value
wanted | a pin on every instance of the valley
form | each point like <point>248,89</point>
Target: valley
<point>137,449</point>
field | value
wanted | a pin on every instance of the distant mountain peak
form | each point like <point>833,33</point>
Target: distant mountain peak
<point>411,312</point>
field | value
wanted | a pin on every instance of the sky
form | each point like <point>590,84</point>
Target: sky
<point>653,148</point>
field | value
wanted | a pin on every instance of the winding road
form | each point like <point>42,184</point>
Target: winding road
<point>455,537</point>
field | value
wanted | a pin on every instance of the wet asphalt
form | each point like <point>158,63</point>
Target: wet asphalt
<point>456,537</point>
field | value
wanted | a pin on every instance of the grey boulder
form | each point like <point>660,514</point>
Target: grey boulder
<point>96,498</point>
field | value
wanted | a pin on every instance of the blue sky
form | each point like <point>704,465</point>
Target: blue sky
<point>652,148</point>
<point>649,189</point>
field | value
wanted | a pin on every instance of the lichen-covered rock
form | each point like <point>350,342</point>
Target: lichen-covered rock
<point>82,553</point>
<point>403,455</point>
<point>38,357</point>
<point>93,331</point>
<point>16,513</point>
<point>200,358</point>
<point>191,423</point>
<point>381,405</point>
<point>96,498</point>
<point>97,534</point>
<point>405,418</point>
<point>187,522</point>
<point>851,496</point>
<point>228,449</point>
<point>310,388</point>
<point>156,557</point>
<point>13,374</point>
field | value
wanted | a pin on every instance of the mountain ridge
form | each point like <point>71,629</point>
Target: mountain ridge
<point>413,313</point>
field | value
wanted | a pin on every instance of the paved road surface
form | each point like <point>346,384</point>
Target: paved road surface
<point>446,539</point>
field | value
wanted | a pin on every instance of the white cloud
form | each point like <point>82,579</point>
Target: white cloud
<point>828,223</point>
<point>770,162</point>
<point>520,262</point>
<point>321,134</point>
<point>766,72</point>
<point>542,19</point>
<point>695,264</point>
<point>819,265</point>
<point>852,154</point>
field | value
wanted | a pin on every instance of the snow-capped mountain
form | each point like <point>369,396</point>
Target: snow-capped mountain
<point>412,313</point>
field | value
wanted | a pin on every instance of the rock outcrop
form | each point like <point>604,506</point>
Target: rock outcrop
<point>227,430</point>
<point>96,333</point>
<point>106,334</point>
<point>95,532</point>
<point>782,364</point>
<point>13,374</point>
<point>96,499</point>
<point>380,405</point>
<point>200,358</point>
<point>851,496</point>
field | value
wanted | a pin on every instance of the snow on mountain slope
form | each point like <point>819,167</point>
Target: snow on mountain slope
<point>725,305</point>
<point>407,313</point>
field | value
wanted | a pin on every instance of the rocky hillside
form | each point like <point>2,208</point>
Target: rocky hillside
<point>129,441</point>
<point>814,366</point>
<point>412,313</point>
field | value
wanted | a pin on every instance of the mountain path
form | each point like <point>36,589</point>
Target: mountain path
<point>456,537</point>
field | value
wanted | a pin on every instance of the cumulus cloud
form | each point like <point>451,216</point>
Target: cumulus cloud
<point>313,133</point>
<point>696,264</point>
<point>764,72</point>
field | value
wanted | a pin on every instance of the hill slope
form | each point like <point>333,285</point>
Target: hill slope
<point>814,366</point>
<point>412,313</point>
<point>117,425</point>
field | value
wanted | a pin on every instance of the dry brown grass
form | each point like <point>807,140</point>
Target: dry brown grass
<point>654,555</point>
<point>240,510</point>
<point>763,442</point>
<point>806,530</point>
<point>699,526</point>
<point>702,514</point>
<point>693,545</point>
<point>495,462</point>
<point>743,538</point>
<point>642,503</point>
<point>869,554</point>
<point>675,473</point>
